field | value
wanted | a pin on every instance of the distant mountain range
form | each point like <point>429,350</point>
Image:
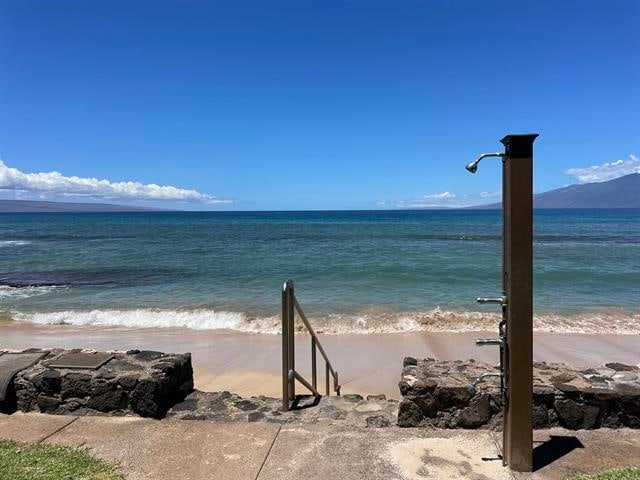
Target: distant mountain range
<point>622,192</point>
<point>32,206</point>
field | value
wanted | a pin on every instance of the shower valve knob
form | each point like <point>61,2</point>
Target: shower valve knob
<point>481,342</point>
<point>498,301</point>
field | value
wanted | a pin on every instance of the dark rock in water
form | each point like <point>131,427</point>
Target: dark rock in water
<point>409,414</point>
<point>621,367</point>
<point>377,421</point>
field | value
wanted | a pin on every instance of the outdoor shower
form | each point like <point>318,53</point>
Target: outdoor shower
<point>473,166</point>
<point>515,330</point>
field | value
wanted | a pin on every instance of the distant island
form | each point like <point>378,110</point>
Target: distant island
<point>622,192</point>
<point>34,206</point>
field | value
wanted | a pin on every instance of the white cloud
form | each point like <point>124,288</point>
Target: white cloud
<point>47,184</point>
<point>606,171</point>
<point>443,200</point>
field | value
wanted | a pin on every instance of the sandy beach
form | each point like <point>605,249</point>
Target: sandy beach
<point>249,364</point>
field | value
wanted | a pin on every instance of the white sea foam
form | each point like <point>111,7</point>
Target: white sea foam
<point>198,319</point>
<point>26,292</point>
<point>613,321</point>
<point>13,243</point>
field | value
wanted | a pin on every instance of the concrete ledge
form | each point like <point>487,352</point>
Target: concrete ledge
<point>31,427</point>
<point>559,454</point>
<point>188,450</point>
<point>315,452</point>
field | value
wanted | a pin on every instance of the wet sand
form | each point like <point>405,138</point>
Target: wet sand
<point>250,364</point>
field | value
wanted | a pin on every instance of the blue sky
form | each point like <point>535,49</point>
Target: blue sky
<point>310,105</point>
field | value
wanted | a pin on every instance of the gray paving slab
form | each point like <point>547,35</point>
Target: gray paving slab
<point>31,427</point>
<point>324,452</point>
<point>560,454</point>
<point>186,450</point>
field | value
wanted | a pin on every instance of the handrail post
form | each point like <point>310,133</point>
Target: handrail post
<point>314,376</point>
<point>289,375</point>
<point>285,347</point>
<point>292,345</point>
<point>327,387</point>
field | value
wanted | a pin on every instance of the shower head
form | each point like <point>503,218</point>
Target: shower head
<point>473,166</point>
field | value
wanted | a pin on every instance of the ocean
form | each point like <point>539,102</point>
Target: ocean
<point>355,271</point>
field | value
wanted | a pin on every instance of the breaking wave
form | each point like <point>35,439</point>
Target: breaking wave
<point>611,321</point>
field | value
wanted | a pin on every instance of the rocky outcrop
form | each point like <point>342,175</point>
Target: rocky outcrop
<point>350,409</point>
<point>137,382</point>
<point>438,394</point>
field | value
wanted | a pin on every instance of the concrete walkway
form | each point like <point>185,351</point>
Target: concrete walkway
<point>169,449</point>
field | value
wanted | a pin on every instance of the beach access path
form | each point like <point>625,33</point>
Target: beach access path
<point>192,449</point>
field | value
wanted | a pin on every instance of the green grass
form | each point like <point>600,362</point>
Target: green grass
<point>615,474</point>
<point>23,461</point>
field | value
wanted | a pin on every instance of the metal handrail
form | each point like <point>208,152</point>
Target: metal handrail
<point>290,306</point>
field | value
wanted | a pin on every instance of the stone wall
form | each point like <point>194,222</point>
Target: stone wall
<point>437,394</point>
<point>137,382</point>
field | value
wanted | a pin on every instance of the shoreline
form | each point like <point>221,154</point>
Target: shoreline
<point>365,321</point>
<point>250,364</point>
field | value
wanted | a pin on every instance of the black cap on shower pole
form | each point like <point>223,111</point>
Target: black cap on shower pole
<point>519,145</point>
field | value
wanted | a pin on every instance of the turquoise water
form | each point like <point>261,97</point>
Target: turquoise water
<point>355,269</point>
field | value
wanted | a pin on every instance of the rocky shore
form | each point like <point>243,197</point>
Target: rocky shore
<point>438,394</point>
<point>349,410</point>
<point>144,383</point>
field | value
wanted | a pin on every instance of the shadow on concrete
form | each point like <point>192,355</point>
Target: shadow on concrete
<point>304,401</point>
<point>553,449</point>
